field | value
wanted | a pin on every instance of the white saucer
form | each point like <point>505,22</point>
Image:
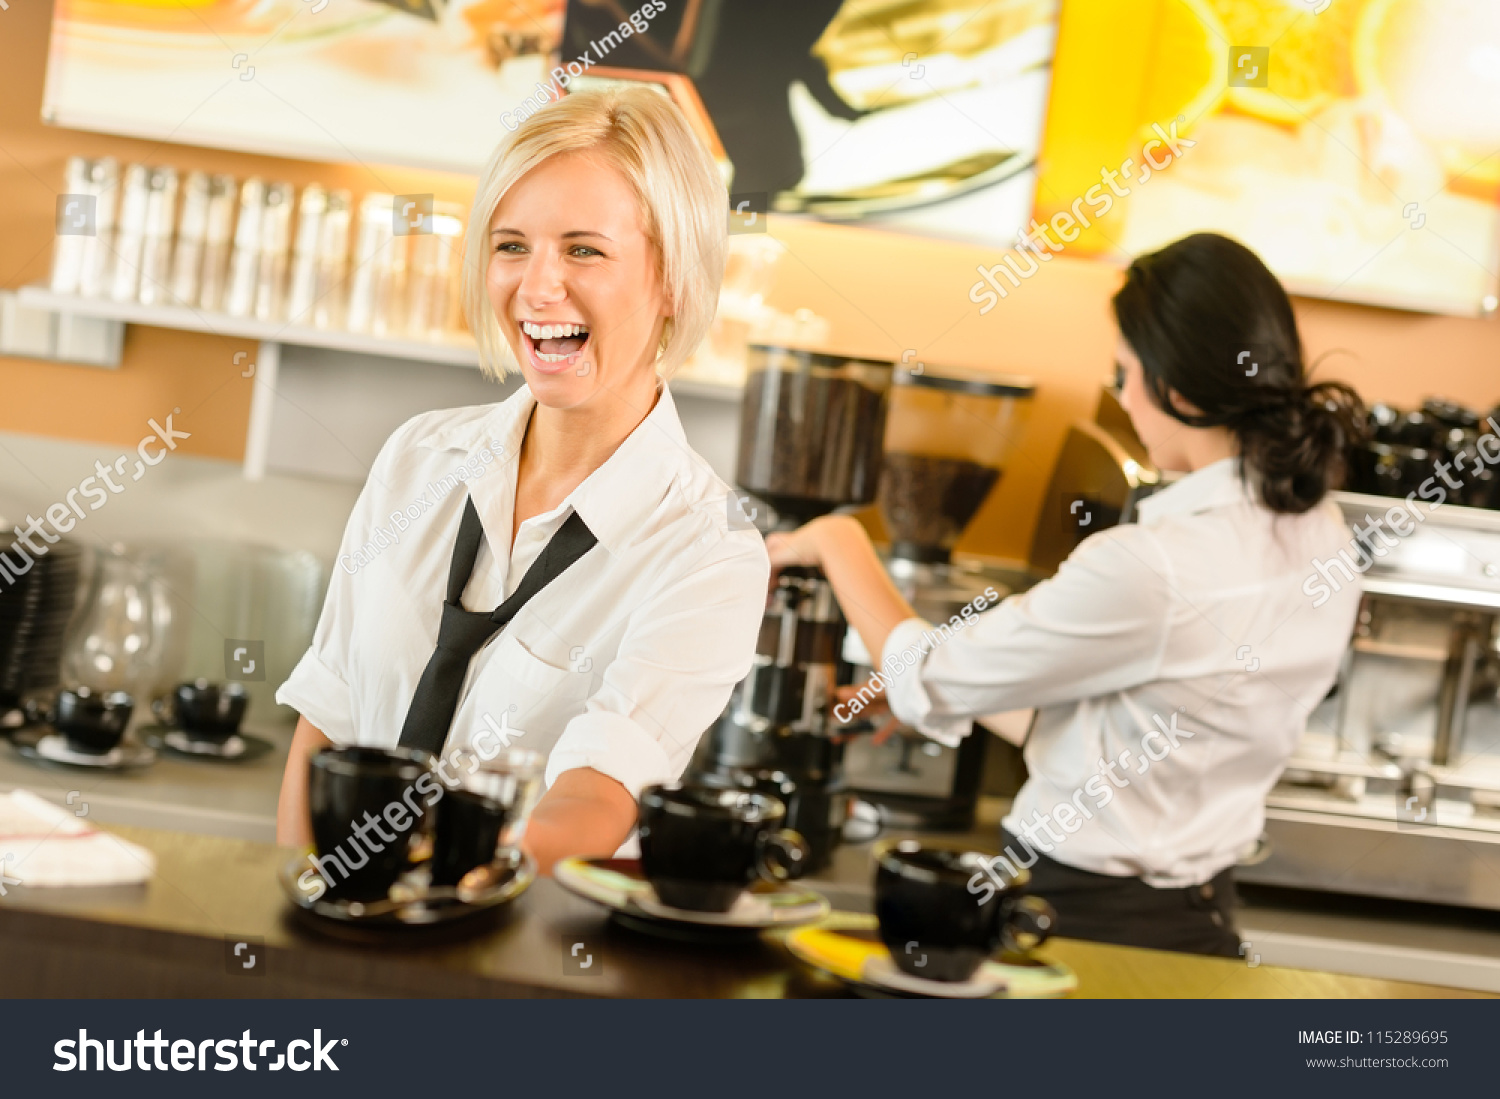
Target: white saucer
<point>54,746</point>
<point>620,886</point>
<point>47,746</point>
<point>751,910</point>
<point>882,972</point>
<point>179,741</point>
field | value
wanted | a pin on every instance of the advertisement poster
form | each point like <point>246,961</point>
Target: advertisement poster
<point>1355,144</point>
<point>920,116</point>
<point>415,83</point>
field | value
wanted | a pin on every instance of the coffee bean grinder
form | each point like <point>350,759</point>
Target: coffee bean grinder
<point>948,437</point>
<point>811,428</point>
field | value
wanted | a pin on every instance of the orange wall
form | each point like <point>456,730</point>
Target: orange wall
<point>882,293</point>
<point>885,293</point>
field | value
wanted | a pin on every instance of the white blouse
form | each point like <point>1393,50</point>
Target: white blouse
<point>1174,663</point>
<point>620,664</point>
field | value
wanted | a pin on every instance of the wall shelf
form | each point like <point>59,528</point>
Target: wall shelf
<point>272,335</point>
<point>183,318</point>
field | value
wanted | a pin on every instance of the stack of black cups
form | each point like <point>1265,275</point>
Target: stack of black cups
<point>1403,450</point>
<point>37,595</point>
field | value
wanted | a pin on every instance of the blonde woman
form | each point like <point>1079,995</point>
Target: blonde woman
<point>566,546</point>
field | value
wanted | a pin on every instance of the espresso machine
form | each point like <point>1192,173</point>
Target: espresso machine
<point>1394,789</point>
<point>810,442</point>
<point>1101,476</point>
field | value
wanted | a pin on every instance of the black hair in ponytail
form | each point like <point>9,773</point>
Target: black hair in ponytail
<point>1210,322</point>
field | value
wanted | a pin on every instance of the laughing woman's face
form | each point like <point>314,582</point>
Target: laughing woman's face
<point>573,281</point>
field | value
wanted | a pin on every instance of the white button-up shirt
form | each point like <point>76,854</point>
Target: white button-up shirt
<point>1173,663</point>
<point>620,664</point>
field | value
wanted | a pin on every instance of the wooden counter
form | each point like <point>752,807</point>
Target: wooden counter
<point>172,938</point>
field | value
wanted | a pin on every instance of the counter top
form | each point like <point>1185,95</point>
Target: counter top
<point>174,936</point>
<point>1361,937</point>
<point>234,800</point>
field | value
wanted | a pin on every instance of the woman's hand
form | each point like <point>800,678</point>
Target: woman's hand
<point>795,547</point>
<point>585,813</point>
<point>815,542</point>
<point>873,712</point>
<point>839,546</point>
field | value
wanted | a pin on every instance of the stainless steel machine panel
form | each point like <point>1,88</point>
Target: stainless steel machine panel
<point>1395,788</point>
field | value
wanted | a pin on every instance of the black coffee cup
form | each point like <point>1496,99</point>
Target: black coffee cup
<point>370,819</point>
<point>483,815</point>
<point>701,845</point>
<point>814,810</point>
<point>941,914</point>
<point>92,723</point>
<point>204,710</point>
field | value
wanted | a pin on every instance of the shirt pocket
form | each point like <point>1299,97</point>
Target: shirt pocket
<point>534,686</point>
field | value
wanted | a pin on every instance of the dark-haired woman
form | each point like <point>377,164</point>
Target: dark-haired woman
<point>1172,663</point>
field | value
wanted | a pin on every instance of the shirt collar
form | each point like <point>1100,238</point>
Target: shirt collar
<point>1216,485</point>
<point>617,498</point>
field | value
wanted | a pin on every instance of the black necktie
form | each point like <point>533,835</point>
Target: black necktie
<point>463,633</point>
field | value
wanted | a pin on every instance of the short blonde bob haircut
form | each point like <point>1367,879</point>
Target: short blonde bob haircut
<point>684,208</point>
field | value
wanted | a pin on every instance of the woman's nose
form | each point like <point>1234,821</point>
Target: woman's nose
<point>543,282</point>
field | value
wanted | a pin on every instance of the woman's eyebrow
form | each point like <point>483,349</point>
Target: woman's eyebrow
<point>571,234</point>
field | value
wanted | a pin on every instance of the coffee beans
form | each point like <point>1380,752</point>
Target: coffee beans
<point>810,434</point>
<point>928,501</point>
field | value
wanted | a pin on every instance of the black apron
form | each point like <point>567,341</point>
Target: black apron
<point>463,633</point>
<point>1105,908</point>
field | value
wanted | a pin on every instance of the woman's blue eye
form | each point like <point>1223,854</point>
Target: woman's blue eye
<point>581,251</point>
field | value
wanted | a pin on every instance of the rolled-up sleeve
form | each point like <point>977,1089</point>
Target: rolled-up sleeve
<point>318,687</point>
<point>683,651</point>
<point>1100,625</point>
<point>318,692</point>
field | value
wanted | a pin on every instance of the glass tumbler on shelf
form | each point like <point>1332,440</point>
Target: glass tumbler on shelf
<point>115,645</point>
<point>218,233</point>
<point>388,314</point>
<point>244,261</point>
<point>187,259</point>
<point>275,241</point>
<point>68,242</point>
<point>379,263</point>
<point>303,280</point>
<point>332,288</point>
<point>156,243</point>
<point>97,266</point>
<point>433,291</point>
<point>130,235</point>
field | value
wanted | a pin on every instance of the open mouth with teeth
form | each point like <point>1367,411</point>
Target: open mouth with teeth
<point>555,343</point>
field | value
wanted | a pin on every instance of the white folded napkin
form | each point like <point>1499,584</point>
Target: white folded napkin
<point>42,844</point>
